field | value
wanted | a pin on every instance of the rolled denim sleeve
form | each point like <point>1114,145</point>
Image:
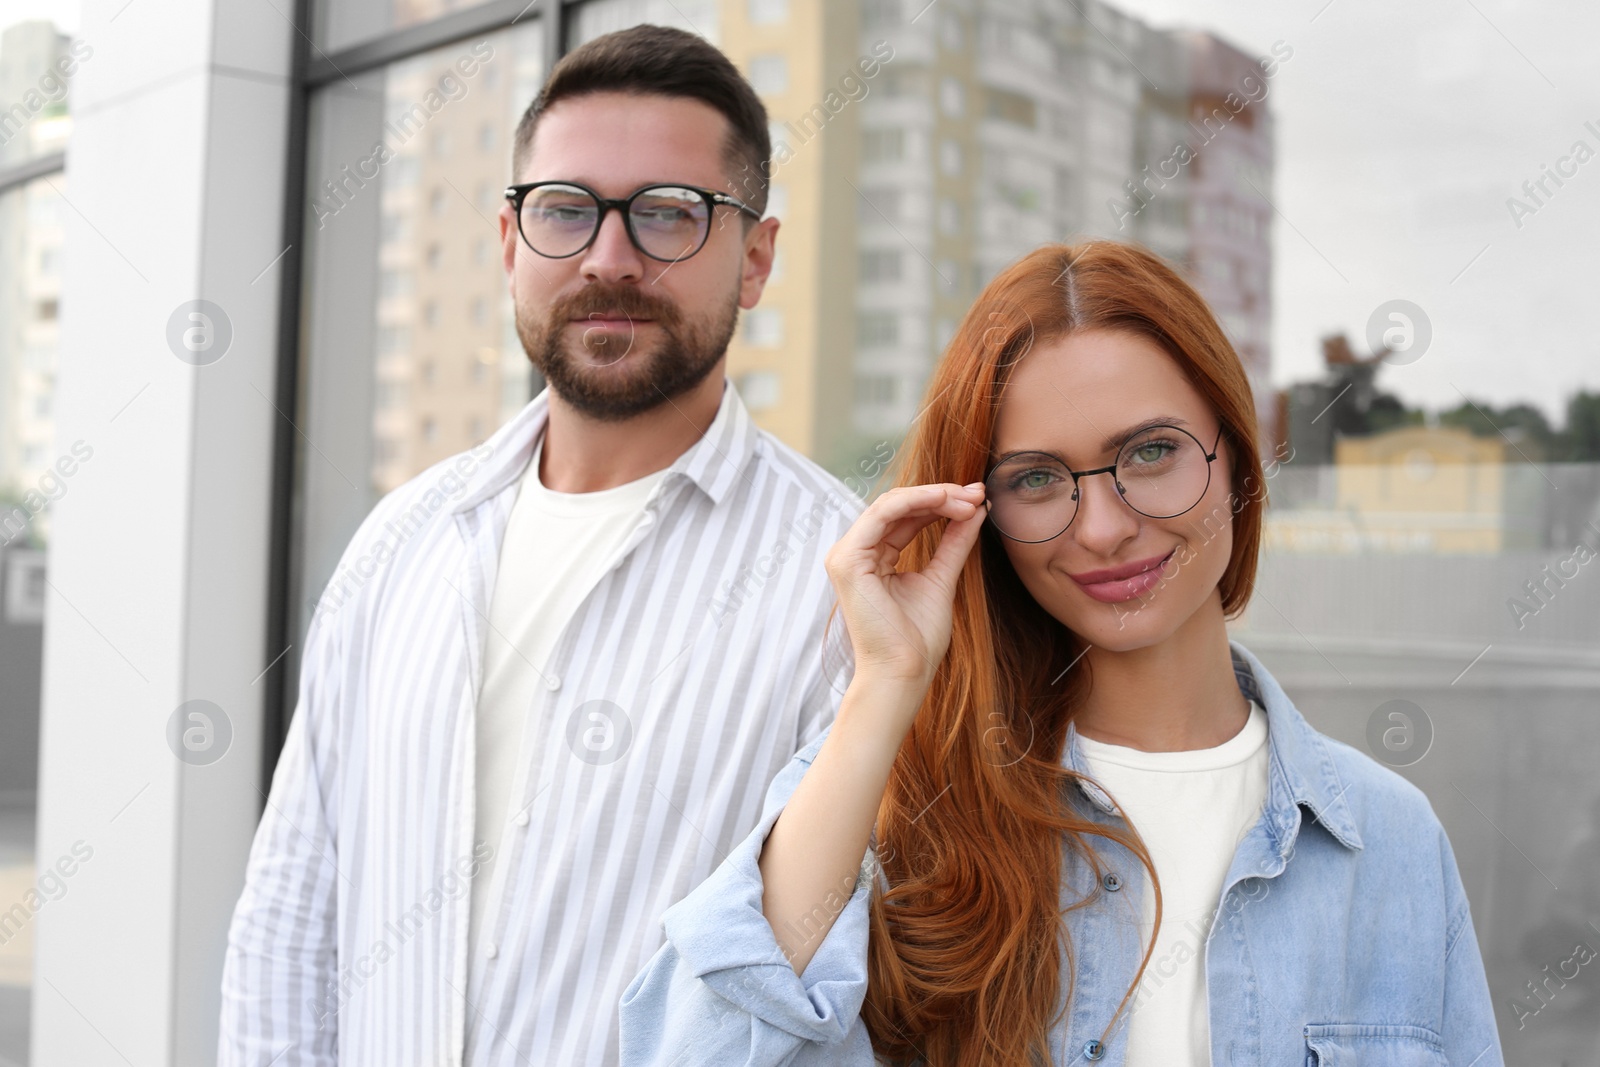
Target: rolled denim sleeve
<point>720,989</point>
<point>1468,1030</point>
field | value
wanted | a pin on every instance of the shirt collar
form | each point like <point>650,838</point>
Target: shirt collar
<point>1300,768</point>
<point>712,463</point>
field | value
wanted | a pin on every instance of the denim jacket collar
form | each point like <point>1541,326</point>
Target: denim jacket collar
<point>713,463</point>
<point>1300,768</point>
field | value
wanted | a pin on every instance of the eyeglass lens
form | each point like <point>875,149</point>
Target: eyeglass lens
<point>667,222</point>
<point>1161,472</point>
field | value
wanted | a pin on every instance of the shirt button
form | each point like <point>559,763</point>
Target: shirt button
<point>492,951</point>
<point>1111,882</point>
<point>1093,1050</point>
<point>553,682</point>
<point>521,819</point>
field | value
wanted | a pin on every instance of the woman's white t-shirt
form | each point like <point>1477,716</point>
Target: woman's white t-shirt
<point>1191,809</point>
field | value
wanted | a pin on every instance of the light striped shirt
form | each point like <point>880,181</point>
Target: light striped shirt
<point>691,673</point>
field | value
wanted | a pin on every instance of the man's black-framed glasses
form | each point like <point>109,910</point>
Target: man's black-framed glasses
<point>1160,472</point>
<point>666,222</point>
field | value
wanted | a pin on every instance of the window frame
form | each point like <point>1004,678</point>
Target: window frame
<point>313,68</point>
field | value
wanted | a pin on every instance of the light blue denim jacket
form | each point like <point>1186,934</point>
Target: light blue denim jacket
<point>1342,936</point>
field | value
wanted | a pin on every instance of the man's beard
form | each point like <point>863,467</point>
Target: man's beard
<point>612,375</point>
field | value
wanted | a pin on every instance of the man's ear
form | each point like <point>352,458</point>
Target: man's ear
<point>760,245</point>
<point>509,236</point>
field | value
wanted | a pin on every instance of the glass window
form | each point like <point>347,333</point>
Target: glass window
<point>39,61</point>
<point>339,24</point>
<point>410,348</point>
<point>38,64</point>
<point>35,471</point>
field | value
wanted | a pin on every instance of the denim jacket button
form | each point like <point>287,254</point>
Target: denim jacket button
<point>1111,882</point>
<point>1093,1050</point>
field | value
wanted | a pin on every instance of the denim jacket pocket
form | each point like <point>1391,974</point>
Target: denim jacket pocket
<point>1373,1045</point>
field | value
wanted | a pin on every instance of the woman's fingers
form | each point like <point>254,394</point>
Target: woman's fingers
<point>955,545</point>
<point>894,518</point>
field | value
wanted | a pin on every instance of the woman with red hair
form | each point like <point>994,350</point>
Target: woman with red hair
<point>1061,816</point>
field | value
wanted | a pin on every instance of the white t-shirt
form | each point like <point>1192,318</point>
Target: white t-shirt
<point>555,546</point>
<point>1191,809</point>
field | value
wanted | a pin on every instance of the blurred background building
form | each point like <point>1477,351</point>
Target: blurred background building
<point>1424,556</point>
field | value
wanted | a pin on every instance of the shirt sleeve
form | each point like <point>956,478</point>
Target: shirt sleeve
<point>720,989</point>
<point>1469,1032</point>
<point>280,994</point>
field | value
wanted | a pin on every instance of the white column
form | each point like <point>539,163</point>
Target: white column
<point>158,561</point>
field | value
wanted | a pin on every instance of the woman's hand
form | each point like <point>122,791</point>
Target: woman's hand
<point>899,622</point>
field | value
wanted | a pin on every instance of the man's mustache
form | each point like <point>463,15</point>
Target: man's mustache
<point>626,300</point>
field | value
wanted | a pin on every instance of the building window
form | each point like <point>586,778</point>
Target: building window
<point>950,158</point>
<point>392,394</point>
<point>393,340</point>
<point>876,14</point>
<point>878,204</point>
<point>952,96</point>
<point>763,327</point>
<point>769,73</point>
<point>875,389</point>
<point>1014,108</point>
<point>949,216</point>
<point>877,328</point>
<point>394,283</point>
<point>951,33</point>
<point>883,146</point>
<point>759,389</point>
<point>880,265</point>
<point>767,12</point>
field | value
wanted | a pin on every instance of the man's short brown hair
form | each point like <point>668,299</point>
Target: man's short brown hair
<point>661,61</point>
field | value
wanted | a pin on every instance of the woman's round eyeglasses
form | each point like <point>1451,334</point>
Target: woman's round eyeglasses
<point>666,222</point>
<point>1160,472</point>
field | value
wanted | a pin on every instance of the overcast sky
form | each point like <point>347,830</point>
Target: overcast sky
<point>1402,130</point>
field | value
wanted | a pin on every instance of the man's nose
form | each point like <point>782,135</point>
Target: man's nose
<point>612,256</point>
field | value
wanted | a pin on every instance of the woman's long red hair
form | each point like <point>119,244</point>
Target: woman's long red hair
<point>965,955</point>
